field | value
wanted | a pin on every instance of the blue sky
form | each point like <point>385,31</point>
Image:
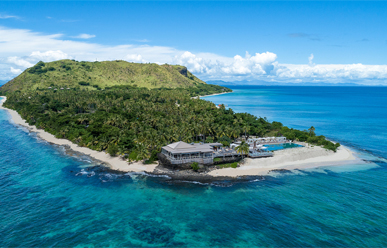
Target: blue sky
<point>286,41</point>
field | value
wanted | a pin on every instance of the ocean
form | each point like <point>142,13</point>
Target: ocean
<point>49,198</point>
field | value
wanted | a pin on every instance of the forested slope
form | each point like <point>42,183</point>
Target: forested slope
<point>99,75</point>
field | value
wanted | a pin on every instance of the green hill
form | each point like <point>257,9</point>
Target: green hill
<point>99,75</point>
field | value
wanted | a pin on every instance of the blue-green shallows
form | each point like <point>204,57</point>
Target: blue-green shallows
<point>50,199</point>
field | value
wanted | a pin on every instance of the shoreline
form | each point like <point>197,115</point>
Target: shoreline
<point>306,157</point>
<point>215,94</point>
<point>114,163</point>
<point>298,158</point>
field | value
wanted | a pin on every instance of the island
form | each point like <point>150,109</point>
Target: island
<point>150,118</point>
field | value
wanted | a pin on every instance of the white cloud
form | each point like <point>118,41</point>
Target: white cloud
<point>213,66</point>
<point>310,58</point>
<point>137,58</point>
<point>194,63</point>
<point>50,55</point>
<point>8,17</point>
<point>84,36</point>
<point>29,61</point>
<point>259,64</point>
<point>20,49</point>
<point>15,71</point>
<point>352,71</point>
<point>19,62</point>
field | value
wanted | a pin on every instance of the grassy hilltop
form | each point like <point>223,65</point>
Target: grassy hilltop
<point>99,75</point>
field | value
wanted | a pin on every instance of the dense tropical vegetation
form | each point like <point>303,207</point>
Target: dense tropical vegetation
<point>137,122</point>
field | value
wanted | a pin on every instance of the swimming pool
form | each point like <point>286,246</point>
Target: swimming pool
<point>275,147</point>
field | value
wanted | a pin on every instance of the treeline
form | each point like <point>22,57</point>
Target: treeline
<point>137,122</point>
<point>310,137</point>
<point>38,68</point>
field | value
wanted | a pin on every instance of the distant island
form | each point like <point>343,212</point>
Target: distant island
<point>271,83</point>
<point>131,112</point>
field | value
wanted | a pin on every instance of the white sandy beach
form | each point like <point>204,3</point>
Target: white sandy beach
<point>216,94</point>
<point>114,163</point>
<point>290,159</point>
<point>295,158</point>
<point>211,95</point>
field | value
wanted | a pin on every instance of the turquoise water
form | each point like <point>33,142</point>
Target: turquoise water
<point>276,147</point>
<point>50,199</point>
<point>355,116</point>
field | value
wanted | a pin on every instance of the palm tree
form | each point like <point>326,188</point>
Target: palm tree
<point>311,131</point>
<point>82,119</point>
<point>237,121</point>
<point>229,131</point>
<point>142,152</point>
<point>243,148</point>
<point>234,133</point>
<point>246,128</point>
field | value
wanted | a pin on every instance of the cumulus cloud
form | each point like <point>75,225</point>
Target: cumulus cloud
<point>258,64</point>
<point>84,36</point>
<point>137,58</point>
<point>22,48</point>
<point>50,55</point>
<point>194,63</point>
<point>19,62</point>
<point>29,61</point>
<point>15,71</point>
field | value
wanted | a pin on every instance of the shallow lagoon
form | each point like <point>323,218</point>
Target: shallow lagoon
<point>51,199</point>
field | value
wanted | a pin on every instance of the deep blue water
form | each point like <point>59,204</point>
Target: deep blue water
<point>354,116</point>
<point>51,199</point>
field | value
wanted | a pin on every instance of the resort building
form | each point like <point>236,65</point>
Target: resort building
<point>182,153</point>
